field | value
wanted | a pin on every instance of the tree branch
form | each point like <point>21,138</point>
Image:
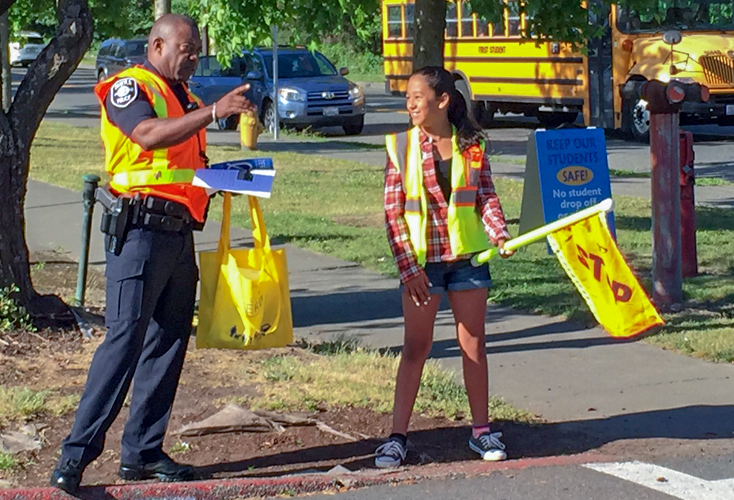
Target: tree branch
<point>51,68</point>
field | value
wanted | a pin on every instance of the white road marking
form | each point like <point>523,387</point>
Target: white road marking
<point>668,481</point>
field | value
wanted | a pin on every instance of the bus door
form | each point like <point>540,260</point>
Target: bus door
<point>601,84</point>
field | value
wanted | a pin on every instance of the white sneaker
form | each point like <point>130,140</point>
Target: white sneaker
<point>390,454</point>
<point>489,446</point>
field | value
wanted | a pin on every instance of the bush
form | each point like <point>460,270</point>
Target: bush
<point>13,316</point>
<point>358,61</point>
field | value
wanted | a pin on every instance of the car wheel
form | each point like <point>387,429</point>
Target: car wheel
<point>25,64</point>
<point>229,123</point>
<point>354,127</point>
<point>268,116</point>
<point>101,76</point>
<point>637,119</point>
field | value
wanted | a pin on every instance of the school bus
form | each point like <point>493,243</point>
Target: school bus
<point>498,71</point>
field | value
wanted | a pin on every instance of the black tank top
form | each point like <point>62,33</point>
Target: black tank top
<point>443,176</point>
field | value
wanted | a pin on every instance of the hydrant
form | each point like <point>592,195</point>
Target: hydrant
<point>249,130</point>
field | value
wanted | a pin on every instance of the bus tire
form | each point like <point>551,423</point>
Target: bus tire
<point>483,113</point>
<point>552,119</point>
<point>636,119</point>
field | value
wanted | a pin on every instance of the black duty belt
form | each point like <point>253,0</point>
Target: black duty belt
<point>123,213</point>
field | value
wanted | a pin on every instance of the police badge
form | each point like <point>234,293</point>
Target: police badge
<point>124,91</point>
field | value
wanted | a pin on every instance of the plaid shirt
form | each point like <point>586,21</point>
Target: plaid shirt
<point>439,248</point>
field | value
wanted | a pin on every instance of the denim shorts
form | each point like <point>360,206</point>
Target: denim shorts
<point>456,276</point>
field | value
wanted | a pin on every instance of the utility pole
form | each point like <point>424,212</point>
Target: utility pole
<point>162,7</point>
<point>7,76</point>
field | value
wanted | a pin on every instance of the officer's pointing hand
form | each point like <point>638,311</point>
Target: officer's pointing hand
<point>234,103</point>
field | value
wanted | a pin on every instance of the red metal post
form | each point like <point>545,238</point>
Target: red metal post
<point>666,215</point>
<point>689,256</point>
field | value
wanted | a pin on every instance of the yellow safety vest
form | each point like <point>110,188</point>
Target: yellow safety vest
<point>165,172</point>
<point>466,230</point>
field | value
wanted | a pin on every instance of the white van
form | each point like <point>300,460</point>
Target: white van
<point>25,50</point>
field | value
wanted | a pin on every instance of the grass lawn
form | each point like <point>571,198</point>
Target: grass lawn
<point>335,207</point>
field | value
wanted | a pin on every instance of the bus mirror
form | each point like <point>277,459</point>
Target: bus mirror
<point>672,37</point>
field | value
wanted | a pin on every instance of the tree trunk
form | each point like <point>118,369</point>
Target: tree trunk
<point>7,77</point>
<point>18,127</point>
<point>162,7</point>
<point>430,23</point>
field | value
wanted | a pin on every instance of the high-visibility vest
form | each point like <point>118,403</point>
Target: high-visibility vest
<point>466,230</point>
<point>166,172</point>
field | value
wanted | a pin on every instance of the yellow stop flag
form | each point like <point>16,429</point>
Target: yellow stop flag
<point>592,260</point>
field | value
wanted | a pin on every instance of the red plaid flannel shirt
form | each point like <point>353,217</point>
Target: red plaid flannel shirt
<point>439,248</point>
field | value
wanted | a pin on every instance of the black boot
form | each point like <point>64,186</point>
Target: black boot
<point>164,470</point>
<point>67,475</point>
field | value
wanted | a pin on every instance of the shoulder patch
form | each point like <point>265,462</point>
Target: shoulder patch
<point>124,91</point>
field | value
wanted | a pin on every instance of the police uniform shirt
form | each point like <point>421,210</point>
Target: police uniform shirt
<point>127,105</point>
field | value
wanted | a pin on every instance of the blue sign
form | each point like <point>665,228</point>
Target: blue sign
<point>567,171</point>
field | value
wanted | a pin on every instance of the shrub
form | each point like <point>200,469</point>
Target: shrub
<point>13,316</point>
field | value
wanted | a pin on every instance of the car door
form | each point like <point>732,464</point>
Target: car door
<point>210,81</point>
<point>255,76</point>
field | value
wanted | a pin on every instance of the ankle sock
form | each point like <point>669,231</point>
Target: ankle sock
<point>402,438</point>
<point>478,430</point>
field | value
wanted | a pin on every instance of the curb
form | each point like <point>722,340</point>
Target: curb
<point>230,489</point>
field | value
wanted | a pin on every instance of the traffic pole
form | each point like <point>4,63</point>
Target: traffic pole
<point>666,233</point>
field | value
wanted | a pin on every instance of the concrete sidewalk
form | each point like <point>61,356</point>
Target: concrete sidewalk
<point>576,377</point>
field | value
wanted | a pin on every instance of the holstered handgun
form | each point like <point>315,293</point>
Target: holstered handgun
<point>116,218</point>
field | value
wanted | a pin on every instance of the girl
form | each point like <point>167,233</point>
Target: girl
<point>439,201</point>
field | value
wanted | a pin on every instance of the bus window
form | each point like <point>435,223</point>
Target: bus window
<point>498,28</point>
<point>684,15</point>
<point>482,28</point>
<point>467,21</point>
<point>409,20</point>
<point>394,21</point>
<point>513,18</point>
<point>451,21</point>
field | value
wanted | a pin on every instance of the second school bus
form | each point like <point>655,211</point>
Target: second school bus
<point>498,71</point>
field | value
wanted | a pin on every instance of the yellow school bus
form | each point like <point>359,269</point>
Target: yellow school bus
<point>498,71</point>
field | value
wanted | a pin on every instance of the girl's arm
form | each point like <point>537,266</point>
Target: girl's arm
<point>397,229</point>
<point>489,206</point>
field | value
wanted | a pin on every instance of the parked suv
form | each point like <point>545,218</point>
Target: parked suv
<point>311,92</point>
<point>115,55</point>
<point>25,50</point>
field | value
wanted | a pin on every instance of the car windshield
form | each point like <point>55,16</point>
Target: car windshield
<point>136,48</point>
<point>300,65</point>
<point>686,15</point>
<point>35,40</point>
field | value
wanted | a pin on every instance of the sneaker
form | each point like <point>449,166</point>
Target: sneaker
<point>489,446</point>
<point>390,454</point>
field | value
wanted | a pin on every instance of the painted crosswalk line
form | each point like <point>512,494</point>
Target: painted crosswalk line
<point>668,481</point>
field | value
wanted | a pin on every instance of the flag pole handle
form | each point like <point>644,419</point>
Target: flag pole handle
<point>606,206</point>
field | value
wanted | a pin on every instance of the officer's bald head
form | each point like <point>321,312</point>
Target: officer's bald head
<point>173,46</point>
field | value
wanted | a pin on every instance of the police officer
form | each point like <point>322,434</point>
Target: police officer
<point>153,132</point>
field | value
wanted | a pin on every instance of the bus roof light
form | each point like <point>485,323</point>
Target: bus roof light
<point>627,45</point>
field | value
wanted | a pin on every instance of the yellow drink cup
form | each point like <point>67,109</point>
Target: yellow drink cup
<point>249,130</point>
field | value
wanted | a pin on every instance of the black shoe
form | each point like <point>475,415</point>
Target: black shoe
<point>67,476</point>
<point>164,470</point>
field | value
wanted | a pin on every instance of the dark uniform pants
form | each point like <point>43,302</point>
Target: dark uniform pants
<point>151,288</point>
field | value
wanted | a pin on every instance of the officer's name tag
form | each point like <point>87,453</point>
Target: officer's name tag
<point>124,91</point>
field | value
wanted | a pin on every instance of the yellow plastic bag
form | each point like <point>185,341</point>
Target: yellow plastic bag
<point>244,299</point>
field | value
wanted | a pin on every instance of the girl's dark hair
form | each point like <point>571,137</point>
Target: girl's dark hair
<point>468,131</point>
